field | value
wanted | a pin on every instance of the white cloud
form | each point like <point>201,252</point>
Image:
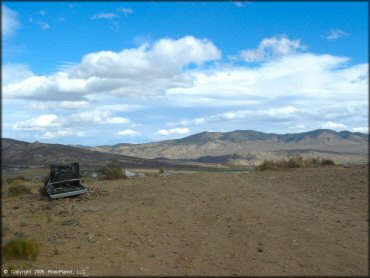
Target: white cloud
<point>144,71</point>
<point>52,105</point>
<point>272,48</point>
<point>61,133</point>
<point>10,21</point>
<point>333,125</point>
<point>57,126</point>
<point>336,34</point>
<point>126,10</point>
<point>14,73</point>
<point>96,117</point>
<point>287,113</point>
<point>42,122</point>
<point>179,130</point>
<point>128,132</point>
<point>104,16</point>
<point>362,129</point>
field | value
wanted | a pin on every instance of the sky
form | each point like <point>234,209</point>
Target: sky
<point>97,73</point>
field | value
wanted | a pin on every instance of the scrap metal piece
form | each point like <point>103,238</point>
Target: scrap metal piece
<point>64,181</point>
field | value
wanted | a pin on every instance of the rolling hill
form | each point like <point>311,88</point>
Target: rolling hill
<point>245,142</point>
<point>24,154</point>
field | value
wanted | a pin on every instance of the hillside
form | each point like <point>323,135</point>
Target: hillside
<point>24,154</point>
<point>244,142</point>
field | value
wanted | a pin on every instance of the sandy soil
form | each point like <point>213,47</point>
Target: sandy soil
<point>294,222</point>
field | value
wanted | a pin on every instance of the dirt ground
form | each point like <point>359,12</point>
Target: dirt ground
<point>310,221</point>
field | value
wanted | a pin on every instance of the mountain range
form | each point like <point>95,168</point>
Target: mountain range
<point>239,147</point>
<point>244,142</point>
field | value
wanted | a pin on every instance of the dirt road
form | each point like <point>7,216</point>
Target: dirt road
<point>294,222</point>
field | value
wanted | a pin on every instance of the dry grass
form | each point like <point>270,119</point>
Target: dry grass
<point>18,188</point>
<point>19,248</point>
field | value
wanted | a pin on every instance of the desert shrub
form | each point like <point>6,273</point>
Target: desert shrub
<point>19,248</point>
<point>327,162</point>
<point>19,189</point>
<point>112,171</point>
<point>267,164</point>
<point>161,171</point>
<point>18,177</point>
<point>296,162</point>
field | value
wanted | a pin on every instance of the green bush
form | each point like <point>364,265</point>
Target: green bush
<point>19,189</point>
<point>161,171</point>
<point>327,162</point>
<point>112,171</point>
<point>21,249</point>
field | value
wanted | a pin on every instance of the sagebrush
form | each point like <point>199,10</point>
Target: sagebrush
<point>296,162</point>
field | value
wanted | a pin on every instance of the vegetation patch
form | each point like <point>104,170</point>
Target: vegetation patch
<point>19,248</point>
<point>296,162</point>
<point>112,171</point>
<point>19,177</point>
<point>18,189</point>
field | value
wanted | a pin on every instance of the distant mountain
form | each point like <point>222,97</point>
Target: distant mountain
<point>24,154</point>
<point>244,142</point>
<point>239,147</point>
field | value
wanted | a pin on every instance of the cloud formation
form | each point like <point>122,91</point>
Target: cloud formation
<point>287,86</point>
<point>333,125</point>
<point>272,48</point>
<point>143,71</point>
<point>128,132</point>
<point>10,21</point>
<point>336,34</point>
<point>179,130</point>
<point>126,10</point>
<point>104,16</point>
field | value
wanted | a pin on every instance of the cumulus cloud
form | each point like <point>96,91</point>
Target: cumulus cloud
<point>128,132</point>
<point>299,87</point>
<point>104,16</point>
<point>143,71</point>
<point>53,126</point>
<point>333,125</point>
<point>10,21</point>
<point>179,130</point>
<point>336,34</point>
<point>362,129</point>
<point>14,73</point>
<point>323,79</point>
<point>272,48</point>
<point>42,122</point>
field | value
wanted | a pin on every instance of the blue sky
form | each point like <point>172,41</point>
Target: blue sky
<point>103,73</point>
